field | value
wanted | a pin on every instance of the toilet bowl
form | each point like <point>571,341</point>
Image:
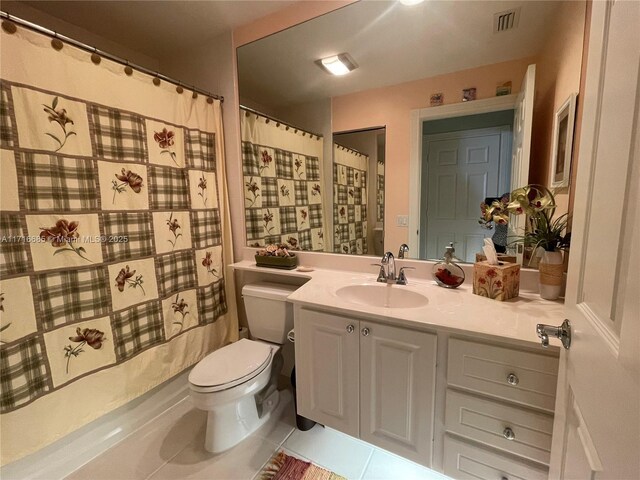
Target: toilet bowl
<point>236,384</point>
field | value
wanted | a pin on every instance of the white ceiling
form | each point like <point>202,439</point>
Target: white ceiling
<point>391,43</point>
<point>156,28</point>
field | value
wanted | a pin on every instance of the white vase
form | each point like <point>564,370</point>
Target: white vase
<point>551,275</point>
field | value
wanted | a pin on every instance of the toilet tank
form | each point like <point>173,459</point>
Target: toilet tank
<point>269,315</point>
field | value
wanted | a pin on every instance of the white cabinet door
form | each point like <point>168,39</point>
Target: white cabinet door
<point>397,372</point>
<point>327,369</point>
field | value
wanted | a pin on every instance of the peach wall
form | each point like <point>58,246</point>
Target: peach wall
<point>557,76</point>
<point>391,107</point>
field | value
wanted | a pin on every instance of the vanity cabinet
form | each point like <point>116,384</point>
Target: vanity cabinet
<point>370,380</point>
<point>499,411</point>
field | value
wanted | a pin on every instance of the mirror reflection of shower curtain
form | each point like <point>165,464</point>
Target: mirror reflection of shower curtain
<point>283,186</point>
<point>350,174</point>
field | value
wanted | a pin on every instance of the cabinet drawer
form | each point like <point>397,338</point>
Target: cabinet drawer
<point>487,422</point>
<point>506,373</point>
<point>464,460</point>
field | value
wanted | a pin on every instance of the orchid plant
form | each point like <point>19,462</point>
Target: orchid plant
<point>538,203</point>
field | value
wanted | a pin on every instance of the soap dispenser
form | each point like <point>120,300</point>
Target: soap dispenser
<point>447,273</point>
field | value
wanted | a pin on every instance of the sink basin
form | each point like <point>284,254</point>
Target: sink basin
<point>382,295</point>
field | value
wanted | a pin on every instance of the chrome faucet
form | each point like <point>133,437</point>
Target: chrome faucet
<point>390,272</point>
<point>404,248</point>
<point>387,272</point>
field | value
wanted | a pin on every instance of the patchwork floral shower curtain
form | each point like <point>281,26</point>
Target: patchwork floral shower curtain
<point>114,236</point>
<point>283,185</point>
<point>350,173</point>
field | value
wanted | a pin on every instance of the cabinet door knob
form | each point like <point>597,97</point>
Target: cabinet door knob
<point>365,332</point>
<point>350,328</point>
<point>512,379</point>
<point>508,434</point>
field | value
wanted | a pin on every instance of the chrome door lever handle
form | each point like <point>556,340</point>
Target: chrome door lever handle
<point>563,332</point>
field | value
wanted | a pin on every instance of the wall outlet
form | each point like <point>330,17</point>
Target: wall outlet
<point>402,220</point>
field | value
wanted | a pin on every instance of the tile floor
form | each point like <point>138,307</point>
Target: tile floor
<point>172,448</point>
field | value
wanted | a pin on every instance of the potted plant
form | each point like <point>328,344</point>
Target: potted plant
<point>544,234</point>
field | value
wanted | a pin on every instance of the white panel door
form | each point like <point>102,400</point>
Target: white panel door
<point>463,169</point>
<point>597,422</point>
<point>522,123</point>
<point>397,390</point>
<point>327,369</point>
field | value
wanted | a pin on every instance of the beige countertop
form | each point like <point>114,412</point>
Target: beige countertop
<point>457,311</point>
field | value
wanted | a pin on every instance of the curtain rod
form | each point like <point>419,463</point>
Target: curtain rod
<point>109,56</point>
<point>278,122</point>
<point>350,150</point>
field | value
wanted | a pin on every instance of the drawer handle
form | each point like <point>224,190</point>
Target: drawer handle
<point>350,328</point>
<point>512,379</point>
<point>508,434</point>
<point>365,331</point>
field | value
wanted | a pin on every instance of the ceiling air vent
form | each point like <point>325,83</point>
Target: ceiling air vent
<point>507,20</point>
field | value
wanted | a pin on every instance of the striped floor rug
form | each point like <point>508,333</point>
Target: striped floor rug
<point>286,467</point>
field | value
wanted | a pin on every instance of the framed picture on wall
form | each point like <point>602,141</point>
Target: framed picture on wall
<point>563,124</point>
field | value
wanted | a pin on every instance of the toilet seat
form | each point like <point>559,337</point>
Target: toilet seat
<point>230,366</point>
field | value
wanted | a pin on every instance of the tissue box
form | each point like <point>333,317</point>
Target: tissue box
<point>498,282</point>
<point>502,257</point>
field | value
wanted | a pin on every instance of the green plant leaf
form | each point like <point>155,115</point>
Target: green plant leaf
<point>60,251</point>
<point>54,104</point>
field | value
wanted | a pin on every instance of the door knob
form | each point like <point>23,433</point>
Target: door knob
<point>563,332</point>
<point>512,379</point>
<point>365,332</point>
<point>350,328</point>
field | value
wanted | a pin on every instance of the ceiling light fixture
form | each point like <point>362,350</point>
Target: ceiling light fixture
<point>410,2</point>
<point>338,64</point>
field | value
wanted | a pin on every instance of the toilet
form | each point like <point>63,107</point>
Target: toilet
<point>237,384</point>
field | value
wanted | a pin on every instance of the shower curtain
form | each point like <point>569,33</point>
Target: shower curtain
<point>283,185</point>
<point>114,236</point>
<point>350,173</point>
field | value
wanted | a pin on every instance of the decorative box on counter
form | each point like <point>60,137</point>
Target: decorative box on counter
<point>502,257</point>
<point>498,282</point>
<point>287,263</point>
<point>277,256</point>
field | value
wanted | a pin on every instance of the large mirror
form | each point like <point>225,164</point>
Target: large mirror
<point>462,93</point>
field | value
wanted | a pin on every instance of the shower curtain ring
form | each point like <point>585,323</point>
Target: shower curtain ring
<point>156,80</point>
<point>195,94</point>
<point>56,43</point>
<point>179,88</point>
<point>95,58</point>
<point>128,70</point>
<point>8,26</point>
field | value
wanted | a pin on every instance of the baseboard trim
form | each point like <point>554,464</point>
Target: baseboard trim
<point>71,452</point>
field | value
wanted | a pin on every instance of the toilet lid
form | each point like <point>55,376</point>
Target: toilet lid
<point>235,363</point>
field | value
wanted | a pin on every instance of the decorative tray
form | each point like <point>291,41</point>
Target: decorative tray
<point>271,261</point>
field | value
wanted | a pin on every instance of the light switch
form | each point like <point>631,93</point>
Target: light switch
<point>402,220</point>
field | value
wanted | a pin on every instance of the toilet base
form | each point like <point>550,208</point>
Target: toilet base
<point>228,425</point>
